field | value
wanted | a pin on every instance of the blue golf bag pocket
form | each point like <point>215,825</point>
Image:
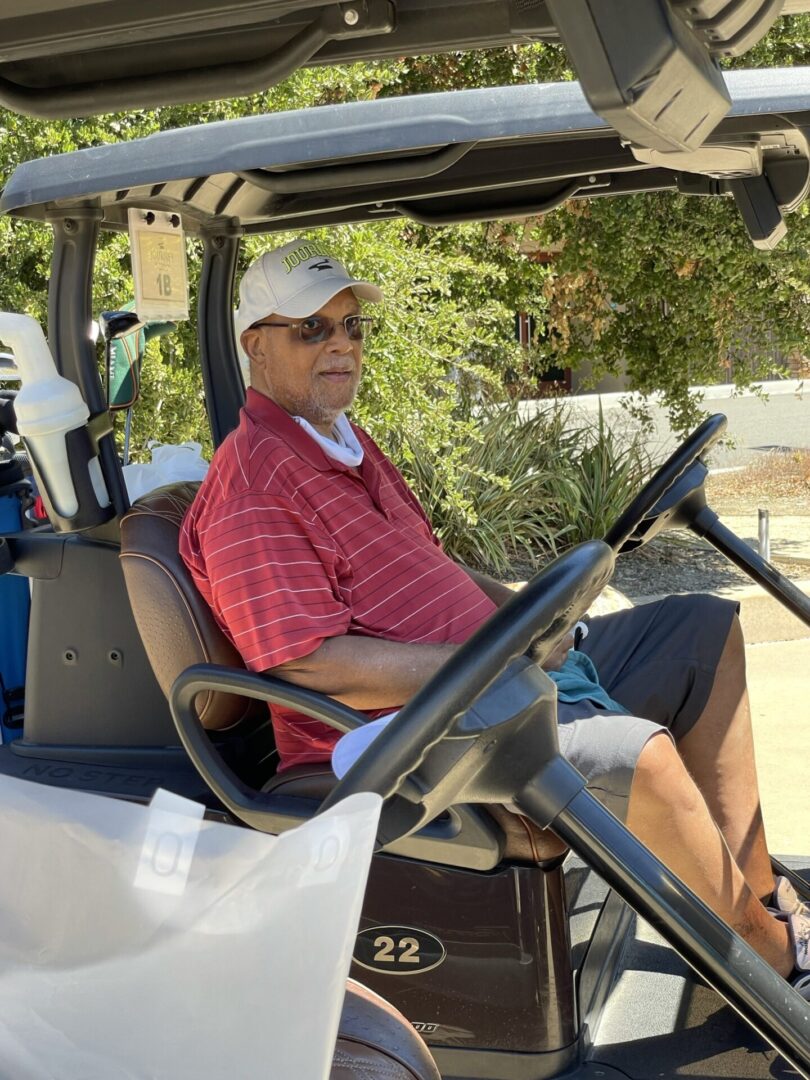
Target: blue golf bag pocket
<point>15,603</point>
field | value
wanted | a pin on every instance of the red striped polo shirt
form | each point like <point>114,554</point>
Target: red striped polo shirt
<point>290,547</point>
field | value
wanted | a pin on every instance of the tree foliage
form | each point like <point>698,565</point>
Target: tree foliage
<point>446,326</point>
<point>672,291</point>
<point>665,289</point>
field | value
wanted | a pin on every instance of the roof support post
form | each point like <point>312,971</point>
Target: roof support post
<point>70,318</point>
<point>224,388</point>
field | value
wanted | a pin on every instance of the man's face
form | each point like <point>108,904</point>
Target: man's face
<point>316,381</point>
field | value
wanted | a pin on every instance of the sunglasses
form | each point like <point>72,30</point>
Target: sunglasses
<point>319,328</point>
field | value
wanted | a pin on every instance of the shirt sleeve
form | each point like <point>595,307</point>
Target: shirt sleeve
<point>273,579</point>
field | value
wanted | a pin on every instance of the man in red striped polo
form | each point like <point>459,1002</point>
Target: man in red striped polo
<point>320,565</point>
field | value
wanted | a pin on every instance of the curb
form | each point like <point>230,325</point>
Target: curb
<point>591,401</point>
<point>800,560</point>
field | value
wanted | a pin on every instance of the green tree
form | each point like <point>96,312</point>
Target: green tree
<point>171,406</point>
<point>671,290</point>
<point>448,324</point>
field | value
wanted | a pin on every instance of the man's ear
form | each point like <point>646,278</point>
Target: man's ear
<point>251,341</point>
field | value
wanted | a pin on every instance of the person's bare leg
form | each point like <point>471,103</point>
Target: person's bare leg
<point>719,753</point>
<point>667,812</point>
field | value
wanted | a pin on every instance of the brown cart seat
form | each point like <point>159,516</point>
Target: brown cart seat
<point>376,1042</point>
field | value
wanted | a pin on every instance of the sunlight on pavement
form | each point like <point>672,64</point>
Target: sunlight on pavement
<point>780,706</point>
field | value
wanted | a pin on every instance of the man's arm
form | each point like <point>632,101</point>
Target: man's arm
<point>364,672</point>
<point>373,673</point>
<point>495,590</point>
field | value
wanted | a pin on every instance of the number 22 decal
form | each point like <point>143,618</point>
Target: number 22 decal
<point>408,948</point>
<point>398,950</point>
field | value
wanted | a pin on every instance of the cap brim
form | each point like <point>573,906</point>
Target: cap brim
<point>311,299</point>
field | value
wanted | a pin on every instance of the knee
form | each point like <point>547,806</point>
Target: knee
<point>661,778</point>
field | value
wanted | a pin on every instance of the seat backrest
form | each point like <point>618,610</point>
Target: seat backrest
<point>175,623</point>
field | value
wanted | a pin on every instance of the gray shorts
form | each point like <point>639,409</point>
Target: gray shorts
<point>658,660</point>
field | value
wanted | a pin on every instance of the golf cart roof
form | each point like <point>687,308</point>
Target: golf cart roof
<point>659,84</point>
<point>435,158</point>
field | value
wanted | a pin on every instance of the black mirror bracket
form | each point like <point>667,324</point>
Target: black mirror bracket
<point>761,213</point>
<point>658,86</point>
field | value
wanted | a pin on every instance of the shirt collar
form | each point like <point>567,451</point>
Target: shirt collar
<point>263,410</point>
<point>344,447</point>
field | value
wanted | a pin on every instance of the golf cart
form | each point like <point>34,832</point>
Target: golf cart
<point>512,956</point>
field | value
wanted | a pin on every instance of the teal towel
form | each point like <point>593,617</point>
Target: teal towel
<point>577,680</point>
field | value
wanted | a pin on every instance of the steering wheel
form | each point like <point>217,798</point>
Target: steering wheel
<point>657,486</point>
<point>546,608</point>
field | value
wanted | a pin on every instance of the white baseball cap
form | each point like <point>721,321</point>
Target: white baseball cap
<point>294,280</point>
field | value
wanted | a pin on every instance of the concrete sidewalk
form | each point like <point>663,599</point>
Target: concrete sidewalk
<point>765,620</point>
<point>779,683</point>
<point>777,646</point>
<point>778,656</point>
<point>778,653</point>
<point>789,535</point>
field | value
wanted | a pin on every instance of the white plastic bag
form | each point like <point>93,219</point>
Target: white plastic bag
<point>169,464</point>
<point>143,942</point>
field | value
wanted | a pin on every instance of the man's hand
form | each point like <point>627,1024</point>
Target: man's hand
<point>499,594</point>
<point>557,657</point>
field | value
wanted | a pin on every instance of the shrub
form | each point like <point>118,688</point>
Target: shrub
<point>495,511</point>
<point>525,488</point>
<point>171,407</point>
<point>606,467</point>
